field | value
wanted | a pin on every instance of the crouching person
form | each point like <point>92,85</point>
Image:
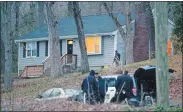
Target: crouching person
<point>103,87</point>
<point>90,88</point>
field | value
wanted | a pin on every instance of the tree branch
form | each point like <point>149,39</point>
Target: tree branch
<point>119,26</point>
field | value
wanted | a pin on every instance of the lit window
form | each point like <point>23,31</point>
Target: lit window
<point>93,45</point>
<point>31,48</point>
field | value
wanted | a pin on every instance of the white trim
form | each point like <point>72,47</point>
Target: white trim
<point>72,45</point>
<point>115,41</point>
<point>36,39</point>
<point>171,22</point>
<point>18,59</point>
<point>94,53</point>
<point>31,49</point>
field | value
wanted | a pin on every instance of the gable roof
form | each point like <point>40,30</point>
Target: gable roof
<point>92,25</point>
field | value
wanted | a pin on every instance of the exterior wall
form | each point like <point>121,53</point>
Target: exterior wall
<point>106,56</point>
<point>34,60</point>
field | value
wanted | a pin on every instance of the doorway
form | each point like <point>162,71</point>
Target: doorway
<point>69,50</point>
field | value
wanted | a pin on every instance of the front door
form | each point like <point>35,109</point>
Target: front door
<point>69,50</point>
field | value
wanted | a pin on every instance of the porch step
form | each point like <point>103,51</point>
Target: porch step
<point>32,71</point>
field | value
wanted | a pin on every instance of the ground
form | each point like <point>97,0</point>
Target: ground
<point>25,90</point>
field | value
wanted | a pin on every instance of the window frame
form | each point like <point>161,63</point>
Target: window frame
<point>100,46</point>
<point>31,49</point>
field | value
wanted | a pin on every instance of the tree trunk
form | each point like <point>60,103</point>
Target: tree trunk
<point>150,22</point>
<point>129,48</point>
<point>129,36</point>
<point>15,35</point>
<point>8,48</point>
<point>55,62</point>
<point>70,7</point>
<point>161,34</point>
<point>81,37</point>
<point>40,14</point>
<point>0,42</point>
<point>2,39</point>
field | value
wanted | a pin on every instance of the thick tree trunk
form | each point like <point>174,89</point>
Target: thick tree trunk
<point>81,37</point>
<point>0,41</point>
<point>129,36</point>
<point>15,35</point>
<point>129,48</point>
<point>150,22</point>
<point>55,62</point>
<point>8,48</point>
<point>161,34</point>
<point>40,14</point>
<point>70,7</point>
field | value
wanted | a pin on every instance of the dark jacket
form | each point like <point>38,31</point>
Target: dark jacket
<point>103,86</point>
<point>128,83</point>
<point>92,87</point>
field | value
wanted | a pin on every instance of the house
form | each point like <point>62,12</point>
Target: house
<point>102,39</point>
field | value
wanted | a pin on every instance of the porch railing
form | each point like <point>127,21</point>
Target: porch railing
<point>69,59</point>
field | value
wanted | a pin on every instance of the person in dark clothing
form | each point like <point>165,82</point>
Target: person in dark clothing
<point>89,86</point>
<point>116,58</point>
<point>103,87</point>
<point>128,85</point>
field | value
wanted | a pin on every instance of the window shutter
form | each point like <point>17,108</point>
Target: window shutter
<point>46,48</point>
<point>37,48</point>
<point>60,47</point>
<point>24,49</point>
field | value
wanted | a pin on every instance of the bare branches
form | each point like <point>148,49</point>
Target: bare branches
<point>119,26</point>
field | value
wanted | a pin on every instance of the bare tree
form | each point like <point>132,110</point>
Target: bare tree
<point>70,7</point>
<point>128,35</point>
<point>0,40</point>
<point>8,47</point>
<point>81,37</point>
<point>162,76</point>
<point>40,14</point>
<point>53,28</point>
<point>15,32</point>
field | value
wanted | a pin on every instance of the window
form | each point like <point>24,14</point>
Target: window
<point>31,48</point>
<point>93,45</point>
<point>110,81</point>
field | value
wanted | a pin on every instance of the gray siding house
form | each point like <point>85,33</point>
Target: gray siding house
<point>102,39</point>
<point>101,35</point>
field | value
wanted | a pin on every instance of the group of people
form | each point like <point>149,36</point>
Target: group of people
<point>95,88</point>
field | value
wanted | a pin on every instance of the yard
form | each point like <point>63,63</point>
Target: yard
<point>25,91</point>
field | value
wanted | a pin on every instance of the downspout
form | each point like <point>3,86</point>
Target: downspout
<point>18,59</point>
<point>114,35</point>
